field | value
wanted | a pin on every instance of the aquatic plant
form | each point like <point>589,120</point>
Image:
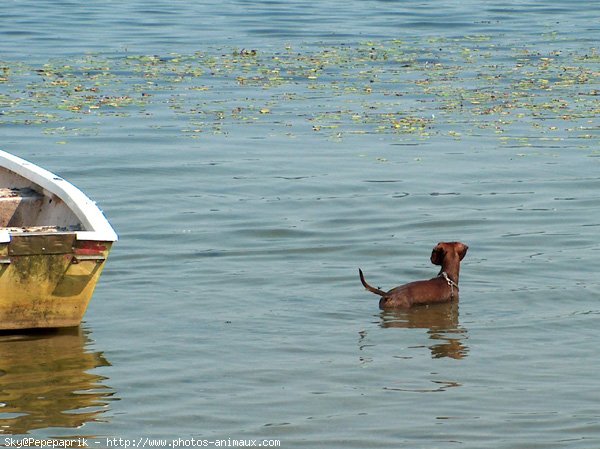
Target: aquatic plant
<point>411,90</point>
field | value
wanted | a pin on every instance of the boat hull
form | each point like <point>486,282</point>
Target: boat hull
<point>47,280</point>
<point>54,242</point>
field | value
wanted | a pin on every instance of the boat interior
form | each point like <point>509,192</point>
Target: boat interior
<point>26,207</point>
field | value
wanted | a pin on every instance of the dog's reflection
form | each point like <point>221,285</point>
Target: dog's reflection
<point>441,322</point>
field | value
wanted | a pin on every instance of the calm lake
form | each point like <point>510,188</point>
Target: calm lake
<point>252,156</point>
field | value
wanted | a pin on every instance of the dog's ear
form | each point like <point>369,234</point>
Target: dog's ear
<point>462,251</point>
<point>437,255</point>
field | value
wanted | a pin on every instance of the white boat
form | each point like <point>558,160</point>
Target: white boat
<point>54,242</point>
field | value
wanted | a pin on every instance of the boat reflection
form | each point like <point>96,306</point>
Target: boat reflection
<point>441,322</point>
<point>45,381</point>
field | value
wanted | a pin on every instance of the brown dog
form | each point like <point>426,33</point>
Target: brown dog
<point>442,288</point>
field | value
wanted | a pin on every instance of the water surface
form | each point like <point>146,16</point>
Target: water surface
<point>252,156</point>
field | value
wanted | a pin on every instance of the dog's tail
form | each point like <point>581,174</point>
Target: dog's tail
<point>368,287</point>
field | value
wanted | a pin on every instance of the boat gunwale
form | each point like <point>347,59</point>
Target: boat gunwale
<point>82,206</point>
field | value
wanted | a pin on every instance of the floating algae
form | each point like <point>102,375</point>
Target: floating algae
<point>443,87</point>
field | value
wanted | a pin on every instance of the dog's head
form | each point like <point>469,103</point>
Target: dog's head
<point>444,249</point>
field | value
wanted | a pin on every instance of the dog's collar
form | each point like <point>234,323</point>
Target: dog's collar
<point>450,282</point>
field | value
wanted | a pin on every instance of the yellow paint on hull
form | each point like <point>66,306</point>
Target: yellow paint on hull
<point>47,280</point>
